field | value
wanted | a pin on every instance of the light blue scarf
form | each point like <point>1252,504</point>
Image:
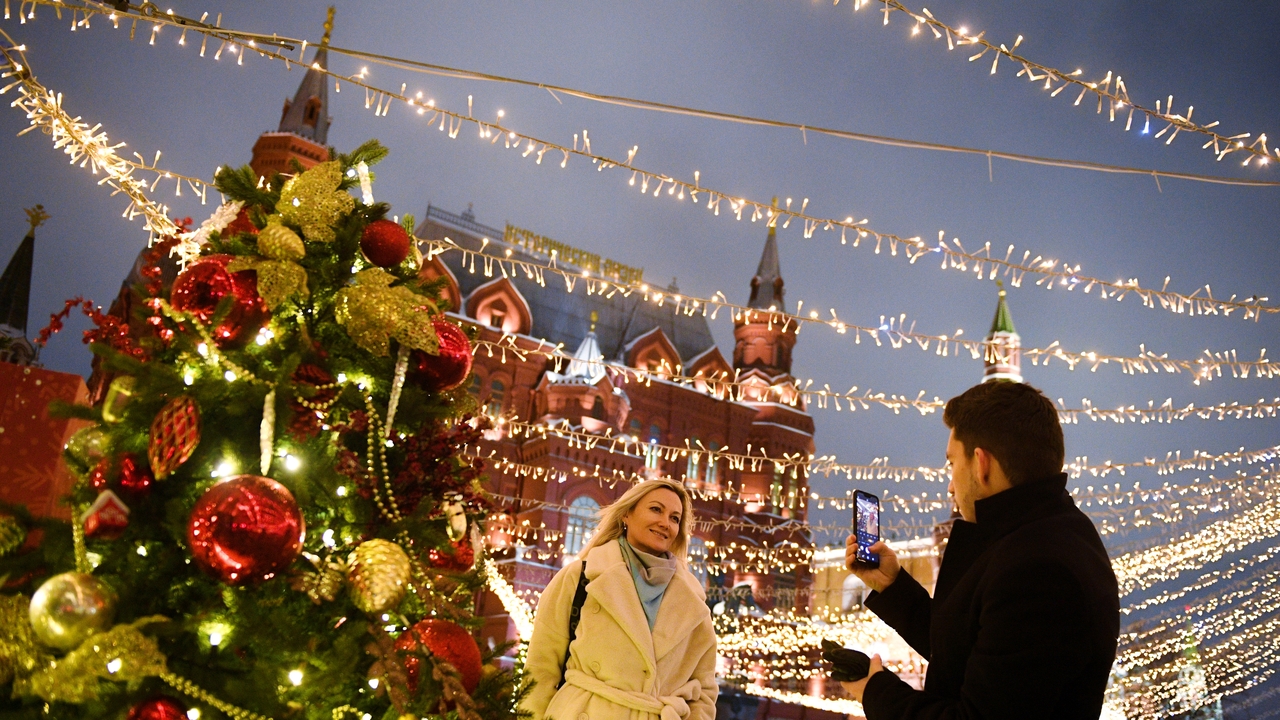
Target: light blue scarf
<point>651,574</point>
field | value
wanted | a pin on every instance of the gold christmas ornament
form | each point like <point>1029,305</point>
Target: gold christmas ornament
<point>89,445</point>
<point>118,395</point>
<point>324,583</point>
<point>372,313</point>
<point>313,202</point>
<point>377,575</point>
<point>70,607</point>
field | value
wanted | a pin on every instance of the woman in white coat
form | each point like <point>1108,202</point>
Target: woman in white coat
<point>644,648</point>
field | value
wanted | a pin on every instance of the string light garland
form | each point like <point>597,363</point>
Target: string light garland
<point>1110,91</point>
<point>892,331</point>
<point>800,393</point>
<point>803,128</point>
<point>86,145</point>
<point>1242,652</point>
<point>1141,570</point>
<point>984,264</point>
<point>803,464</point>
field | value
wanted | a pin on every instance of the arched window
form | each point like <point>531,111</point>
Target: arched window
<point>712,465</point>
<point>497,391</point>
<point>698,559</point>
<point>597,409</point>
<point>634,427</point>
<point>777,490</point>
<point>497,314</point>
<point>582,521</point>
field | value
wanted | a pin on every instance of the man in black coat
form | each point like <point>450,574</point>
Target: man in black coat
<point>1025,614</point>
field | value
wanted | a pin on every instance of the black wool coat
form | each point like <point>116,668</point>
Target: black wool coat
<point>1023,622</point>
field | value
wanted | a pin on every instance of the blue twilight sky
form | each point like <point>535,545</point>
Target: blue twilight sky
<point>806,62</point>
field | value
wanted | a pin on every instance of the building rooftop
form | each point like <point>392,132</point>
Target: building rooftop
<point>559,316</point>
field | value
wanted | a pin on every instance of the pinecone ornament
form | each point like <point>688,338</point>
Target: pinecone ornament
<point>175,433</point>
<point>324,583</point>
<point>377,575</point>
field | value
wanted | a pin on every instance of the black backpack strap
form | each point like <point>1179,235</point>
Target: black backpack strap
<point>575,613</point>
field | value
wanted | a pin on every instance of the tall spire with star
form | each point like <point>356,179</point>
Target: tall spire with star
<point>304,123</point>
<point>1002,359</point>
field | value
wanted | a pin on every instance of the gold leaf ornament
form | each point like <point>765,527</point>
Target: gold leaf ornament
<point>20,652</point>
<point>122,654</point>
<point>278,242</point>
<point>313,202</point>
<point>372,313</point>
<point>279,276</point>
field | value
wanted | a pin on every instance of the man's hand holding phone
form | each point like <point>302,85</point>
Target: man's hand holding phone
<point>876,578</point>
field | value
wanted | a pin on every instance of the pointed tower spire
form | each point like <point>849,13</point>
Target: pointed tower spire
<point>767,287</point>
<point>15,295</point>
<point>762,340</point>
<point>1003,356</point>
<point>308,114</point>
<point>304,124</point>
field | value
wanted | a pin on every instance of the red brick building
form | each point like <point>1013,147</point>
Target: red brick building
<point>741,508</point>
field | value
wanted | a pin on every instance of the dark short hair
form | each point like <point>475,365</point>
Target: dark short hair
<point>1014,422</point>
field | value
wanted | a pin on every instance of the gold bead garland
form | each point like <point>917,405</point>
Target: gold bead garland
<point>190,689</point>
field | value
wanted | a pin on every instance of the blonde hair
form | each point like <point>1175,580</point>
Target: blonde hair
<point>610,527</point>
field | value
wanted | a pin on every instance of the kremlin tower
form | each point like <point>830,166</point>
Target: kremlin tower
<point>1003,356</point>
<point>304,122</point>
<point>762,339</point>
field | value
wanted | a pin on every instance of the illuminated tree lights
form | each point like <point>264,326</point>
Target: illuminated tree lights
<point>1050,272</point>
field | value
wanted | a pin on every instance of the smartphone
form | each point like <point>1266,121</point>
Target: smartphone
<point>866,527</point>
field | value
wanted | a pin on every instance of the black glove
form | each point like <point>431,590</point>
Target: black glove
<point>847,665</point>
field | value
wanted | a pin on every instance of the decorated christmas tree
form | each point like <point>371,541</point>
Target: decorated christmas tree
<point>274,516</point>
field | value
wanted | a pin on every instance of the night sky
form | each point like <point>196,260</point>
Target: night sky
<point>806,62</point>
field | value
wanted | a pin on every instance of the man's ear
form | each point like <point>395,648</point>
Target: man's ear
<point>984,460</point>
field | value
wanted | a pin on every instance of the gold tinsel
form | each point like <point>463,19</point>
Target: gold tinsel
<point>378,575</point>
<point>324,583</point>
<point>122,654</point>
<point>372,313</point>
<point>313,202</point>
<point>12,535</point>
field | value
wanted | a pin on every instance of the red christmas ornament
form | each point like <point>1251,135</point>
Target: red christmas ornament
<point>106,518</point>
<point>242,224</point>
<point>102,473</point>
<point>134,476</point>
<point>245,530</point>
<point>202,286</point>
<point>447,641</point>
<point>175,433</point>
<point>447,370</point>
<point>461,557</point>
<point>160,707</point>
<point>385,243</point>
